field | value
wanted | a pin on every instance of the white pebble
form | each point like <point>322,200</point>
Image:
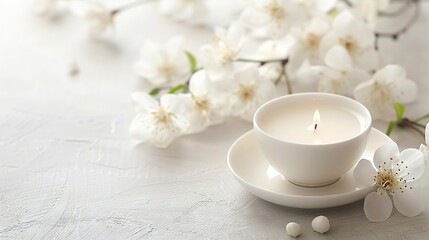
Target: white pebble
<point>293,229</point>
<point>320,224</point>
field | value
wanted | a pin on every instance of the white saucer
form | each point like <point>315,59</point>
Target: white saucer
<point>251,169</point>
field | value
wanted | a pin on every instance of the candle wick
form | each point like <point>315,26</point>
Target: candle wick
<point>315,126</point>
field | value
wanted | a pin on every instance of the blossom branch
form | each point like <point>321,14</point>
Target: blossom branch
<point>404,122</point>
<point>408,123</point>
<point>404,29</point>
<point>283,61</point>
<point>348,3</point>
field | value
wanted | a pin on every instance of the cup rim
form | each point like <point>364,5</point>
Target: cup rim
<point>365,111</point>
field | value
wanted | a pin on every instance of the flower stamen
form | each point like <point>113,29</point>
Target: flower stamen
<point>162,116</point>
<point>275,11</point>
<point>246,91</point>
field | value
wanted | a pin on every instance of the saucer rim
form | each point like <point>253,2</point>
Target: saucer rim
<point>359,192</point>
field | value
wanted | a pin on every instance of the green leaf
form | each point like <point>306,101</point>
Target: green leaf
<point>400,109</point>
<point>422,118</point>
<point>176,88</point>
<point>390,127</point>
<point>192,61</point>
<point>154,91</point>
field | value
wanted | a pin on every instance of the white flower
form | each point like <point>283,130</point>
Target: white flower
<point>387,86</point>
<point>205,108</point>
<point>305,49</point>
<point>338,76</point>
<point>163,65</point>
<point>308,39</point>
<point>370,10</point>
<point>273,49</point>
<point>217,58</point>
<point>246,92</point>
<point>98,17</point>
<point>275,17</point>
<point>317,7</point>
<point>424,148</point>
<point>159,122</point>
<point>192,11</point>
<point>393,176</point>
<point>355,36</point>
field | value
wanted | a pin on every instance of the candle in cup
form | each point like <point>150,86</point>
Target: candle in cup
<point>291,123</point>
<point>318,155</point>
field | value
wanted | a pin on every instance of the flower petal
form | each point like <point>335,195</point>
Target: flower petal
<point>199,83</point>
<point>338,58</point>
<point>235,36</point>
<point>364,173</point>
<point>410,202</point>
<point>329,40</point>
<point>410,164</point>
<point>174,48</point>
<point>140,127</point>
<point>390,73</point>
<point>385,155</point>
<point>357,76</point>
<point>143,101</point>
<point>367,59</point>
<point>175,103</point>
<point>407,91</point>
<point>377,207</point>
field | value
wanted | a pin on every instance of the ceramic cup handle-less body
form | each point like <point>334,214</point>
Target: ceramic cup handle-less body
<point>340,142</point>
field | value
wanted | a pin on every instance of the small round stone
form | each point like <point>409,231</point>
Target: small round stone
<point>293,229</point>
<point>320,224</point>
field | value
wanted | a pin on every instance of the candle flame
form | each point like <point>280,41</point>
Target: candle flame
<point>316,118</point>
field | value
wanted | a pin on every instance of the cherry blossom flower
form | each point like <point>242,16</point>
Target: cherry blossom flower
<point>98,17</point>
<point>317,7</point>
<point>393,176</point>
<point>338,76</point>
<point>159,122</point>
<point>424,148</point>
<point>308,39</point>
<point>217,58</point>
<point>355,36</point>
<point>246,92</point>
<point>205,107</point>
<point>387,86</point>
<point>275,17</point>
<point>192,11</point>
<point>163,65</point>
<point>273,49</point>
<point>305,49</point>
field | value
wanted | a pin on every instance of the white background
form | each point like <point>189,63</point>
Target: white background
<point>69,170</point>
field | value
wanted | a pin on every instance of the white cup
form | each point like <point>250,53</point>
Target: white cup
<point>311,151</point>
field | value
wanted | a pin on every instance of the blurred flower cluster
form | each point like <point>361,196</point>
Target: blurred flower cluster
<point>272,48</point>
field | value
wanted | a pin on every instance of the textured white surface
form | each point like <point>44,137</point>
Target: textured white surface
<point>68,169</point>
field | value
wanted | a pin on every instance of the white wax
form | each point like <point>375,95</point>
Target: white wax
<point>293,123</point>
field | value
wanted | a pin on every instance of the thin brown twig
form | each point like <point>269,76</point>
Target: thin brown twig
<point>414,123</point>
<point>262,62</point>
<point>405,28</point>
<point>408,124</point>
<point>131,5</point>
